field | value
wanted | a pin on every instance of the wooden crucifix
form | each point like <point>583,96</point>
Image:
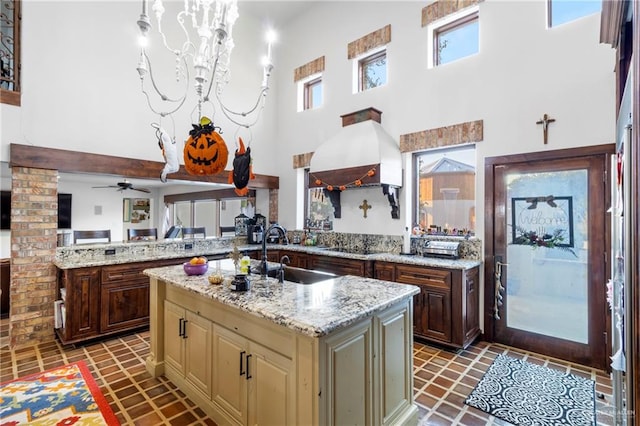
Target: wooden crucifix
<point>545,120</point>
<point>364,207</point>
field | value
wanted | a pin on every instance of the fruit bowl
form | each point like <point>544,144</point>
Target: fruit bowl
<point>198,269</point>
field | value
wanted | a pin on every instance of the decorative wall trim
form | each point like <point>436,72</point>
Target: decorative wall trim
<point>302,160</point>
<point>34,223</point>
<point>370,41</point>
<point>310,68</point>
<point>456,134</point>
<point>440,9</point>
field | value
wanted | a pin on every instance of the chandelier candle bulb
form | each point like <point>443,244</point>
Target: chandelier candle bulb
<point>203,57</point>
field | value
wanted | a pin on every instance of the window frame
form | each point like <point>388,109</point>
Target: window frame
<point>415,175</point>
<point>368,59</point>
<point>449,27</point>
<point>549,4</point>
<point>12,97</point>
<point>308,93</point>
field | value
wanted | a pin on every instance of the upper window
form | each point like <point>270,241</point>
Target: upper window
<point>457,39</point>
<point>563,11</point>
<point>10,52</point>
<point>313,93</point>
<point>309,92</point>
<point>446,201</point>
<point>372,71</point>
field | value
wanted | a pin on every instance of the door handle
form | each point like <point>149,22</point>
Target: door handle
<point>498,287</point>
<point>180,332</point>
<point>248,374</point>
<point>242,373</point>
<point>184,329</point>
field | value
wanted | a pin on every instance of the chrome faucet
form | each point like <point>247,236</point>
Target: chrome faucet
<point>264,269</point>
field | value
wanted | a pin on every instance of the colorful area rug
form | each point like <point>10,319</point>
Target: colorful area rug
<point>527,394</point>
<point>65,395</point>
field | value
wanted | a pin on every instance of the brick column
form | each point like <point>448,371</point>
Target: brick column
<point>34,222</point>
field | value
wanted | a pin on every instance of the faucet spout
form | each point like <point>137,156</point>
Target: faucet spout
<point>263,265</point>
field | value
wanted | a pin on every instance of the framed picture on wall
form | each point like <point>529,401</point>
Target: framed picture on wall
<point>126,210</point>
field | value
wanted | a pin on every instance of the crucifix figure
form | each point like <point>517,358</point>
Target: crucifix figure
<point>364,207</point>
<point>545,125</point>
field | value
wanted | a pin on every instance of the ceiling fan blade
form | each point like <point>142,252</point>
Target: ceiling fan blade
<point>141,189</point>
<point>108,186</point>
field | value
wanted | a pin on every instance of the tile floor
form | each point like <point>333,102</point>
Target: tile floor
<point>442,379</point>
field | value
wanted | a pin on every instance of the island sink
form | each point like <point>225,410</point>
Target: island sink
<point>302,276</point>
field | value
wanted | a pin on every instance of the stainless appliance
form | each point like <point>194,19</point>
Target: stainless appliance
<point>444,249</point>
<point>255,234</point>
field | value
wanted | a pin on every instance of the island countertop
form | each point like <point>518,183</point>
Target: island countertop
<point>311,309</point>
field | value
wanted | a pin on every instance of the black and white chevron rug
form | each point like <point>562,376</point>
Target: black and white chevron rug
<point>527,394</point>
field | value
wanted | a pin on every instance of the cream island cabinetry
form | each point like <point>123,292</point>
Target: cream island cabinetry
<point>335,352</point>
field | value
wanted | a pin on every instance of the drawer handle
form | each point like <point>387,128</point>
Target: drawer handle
<point>241,360</point>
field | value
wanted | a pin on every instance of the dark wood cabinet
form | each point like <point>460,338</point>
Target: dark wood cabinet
<point>103,300</point>
<point>124,297</point>
<point>338,265</point>
<point>81,303</point>
<point>296,258</point>
<point>446,309</point>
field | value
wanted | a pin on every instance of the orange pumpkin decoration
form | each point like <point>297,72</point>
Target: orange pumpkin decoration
<point>205,152</point>
<point>371,173</point>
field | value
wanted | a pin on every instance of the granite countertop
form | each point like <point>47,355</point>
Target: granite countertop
<point>311,309</point>
<point>410,259</point>
<point>94,255</point>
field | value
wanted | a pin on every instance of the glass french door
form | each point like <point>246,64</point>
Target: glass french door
<point>550,232</point>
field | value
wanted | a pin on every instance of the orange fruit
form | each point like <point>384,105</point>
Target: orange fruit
<point>202,260</point>
<point>194,261</point>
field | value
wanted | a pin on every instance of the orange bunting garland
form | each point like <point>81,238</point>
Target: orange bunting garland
<point>357,182</point>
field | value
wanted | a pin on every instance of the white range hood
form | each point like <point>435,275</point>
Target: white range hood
<point>361,151</point>
<point>361,144</point>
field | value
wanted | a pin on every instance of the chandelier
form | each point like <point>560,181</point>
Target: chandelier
<point>202,61</point>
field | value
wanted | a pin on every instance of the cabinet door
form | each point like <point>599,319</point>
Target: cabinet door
<point>229,375</point>
<point>395,363</point>
<point>436,310</point>
<point>296,259</point>
<point>384,271</point>
<point>197,340</point>
<point>174,316</point>
<point>349,381</point>
<point>124,305</point>
<point>83,309</point>
<point>471,314</point>
<point>271,387</point>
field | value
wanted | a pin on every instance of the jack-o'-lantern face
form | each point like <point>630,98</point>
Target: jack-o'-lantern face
<point>205,152</point>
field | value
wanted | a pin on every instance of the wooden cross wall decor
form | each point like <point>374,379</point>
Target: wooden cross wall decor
<point>364,207</point>
<point>545,120</point>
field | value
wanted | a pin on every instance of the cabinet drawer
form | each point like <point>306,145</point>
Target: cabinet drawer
<point>337,265</point>
<point>425,276</point>
<point>119,273</point>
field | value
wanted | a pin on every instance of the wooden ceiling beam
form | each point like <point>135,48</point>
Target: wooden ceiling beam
<point>83,162</point>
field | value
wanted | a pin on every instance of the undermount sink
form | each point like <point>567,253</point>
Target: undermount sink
<point>302,276</point>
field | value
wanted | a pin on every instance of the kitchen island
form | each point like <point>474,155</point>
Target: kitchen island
<point>335,352</point>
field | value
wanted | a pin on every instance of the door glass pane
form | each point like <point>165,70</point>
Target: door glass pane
<point>182,214</point>
<point>205,215</point>
<point>547,253</point>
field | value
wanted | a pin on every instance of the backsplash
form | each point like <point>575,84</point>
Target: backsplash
<point>470,249</point>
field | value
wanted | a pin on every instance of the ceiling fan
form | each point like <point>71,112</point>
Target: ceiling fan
<point>121,186</point>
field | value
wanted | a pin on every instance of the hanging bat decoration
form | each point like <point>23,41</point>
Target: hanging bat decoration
<point>242,169</point>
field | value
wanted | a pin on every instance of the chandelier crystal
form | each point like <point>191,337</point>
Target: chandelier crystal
<point>205,59</point>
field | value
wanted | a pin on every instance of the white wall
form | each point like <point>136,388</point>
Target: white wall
<point>523,70</point>
<point>81,90</point>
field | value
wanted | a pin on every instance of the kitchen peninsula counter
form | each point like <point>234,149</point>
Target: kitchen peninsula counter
<point>335,352</point>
